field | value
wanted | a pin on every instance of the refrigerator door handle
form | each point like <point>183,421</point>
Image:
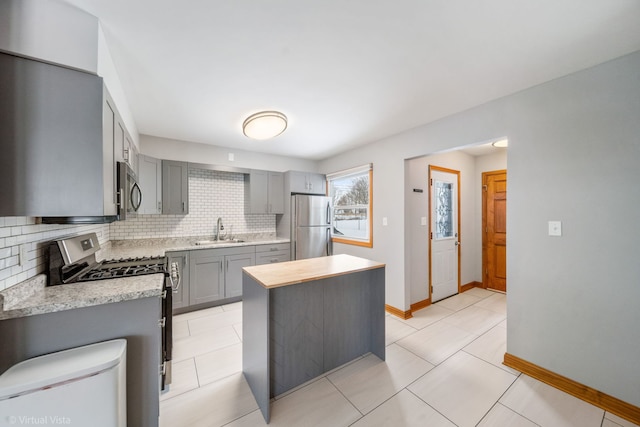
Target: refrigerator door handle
<point>328,241</point>
<point>328,213</point>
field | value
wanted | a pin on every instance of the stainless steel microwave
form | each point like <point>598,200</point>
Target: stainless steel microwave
<point>129,192</point>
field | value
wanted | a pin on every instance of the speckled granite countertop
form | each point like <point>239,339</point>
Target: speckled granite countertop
<point>33,297</point>
<point>159,247</point>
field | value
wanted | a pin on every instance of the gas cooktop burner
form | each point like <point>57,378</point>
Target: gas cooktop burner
<point>74,260</point>
<point>124,267</point>
<point>133,261</point>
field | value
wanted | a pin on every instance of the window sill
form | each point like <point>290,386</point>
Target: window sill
<point>361,243</point>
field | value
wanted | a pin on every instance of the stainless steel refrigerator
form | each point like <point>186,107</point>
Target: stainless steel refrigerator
<point>310,226</point>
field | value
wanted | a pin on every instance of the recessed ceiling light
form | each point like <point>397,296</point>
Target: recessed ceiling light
<point>501,143</point>
<point>264,125</point>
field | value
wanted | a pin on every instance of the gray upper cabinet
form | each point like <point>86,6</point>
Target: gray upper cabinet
<point>150,179</point>
<point>264,192</point>
<point>109,176</point>
<point>54,161</point>
<point>132,154</point>
<point>307,182</point>
<point>175,187</point>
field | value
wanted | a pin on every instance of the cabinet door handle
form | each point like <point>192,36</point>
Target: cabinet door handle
<point>159,206</point>
<point>227,267</point>
<point>182,206</point>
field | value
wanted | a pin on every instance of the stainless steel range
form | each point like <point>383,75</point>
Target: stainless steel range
<point>73,260</point>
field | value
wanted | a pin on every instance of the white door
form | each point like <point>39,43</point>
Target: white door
<point>445,242</point>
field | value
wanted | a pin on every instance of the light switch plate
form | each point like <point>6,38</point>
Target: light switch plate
<point>22,259</point>
<point>232,157</point>
<point>384,221</point>
<point>423,220</point>
<point>555,228</point>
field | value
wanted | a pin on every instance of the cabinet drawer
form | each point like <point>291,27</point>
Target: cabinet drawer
<point>272,248</point>
<point>269,258</point>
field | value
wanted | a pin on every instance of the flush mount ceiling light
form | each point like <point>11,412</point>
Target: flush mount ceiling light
<point>501,143</point>
<point>264,125</point>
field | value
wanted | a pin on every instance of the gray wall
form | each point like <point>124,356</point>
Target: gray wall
<point>172,149</point>
<point>573,156</point>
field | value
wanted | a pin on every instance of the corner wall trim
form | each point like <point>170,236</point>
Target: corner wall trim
<point>397,312</point>
<point>420,305</point>
<point>601,400</point>
<point>470,285</point>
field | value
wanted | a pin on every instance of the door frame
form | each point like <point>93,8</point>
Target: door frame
<point>430,235</point>
<point>484,220</point>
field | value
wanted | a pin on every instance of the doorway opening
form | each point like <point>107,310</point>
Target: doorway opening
<point>444,232</point>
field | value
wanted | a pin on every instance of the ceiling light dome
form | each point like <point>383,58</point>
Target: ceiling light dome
<point>264,125</point>
<point>501,143</point>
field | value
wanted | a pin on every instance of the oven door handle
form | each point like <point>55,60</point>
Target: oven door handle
<point>175,276</point>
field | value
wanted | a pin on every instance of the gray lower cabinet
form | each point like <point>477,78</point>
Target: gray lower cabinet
<point>135,320</point>
<point>269,254</point>
<point>233,272</point>
<point>175,187</point>
<point>213,276</point>
<point>181,281</point>
<point>216,274</point>
<point>206,276</point>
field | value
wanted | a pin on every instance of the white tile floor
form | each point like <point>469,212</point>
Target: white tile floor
<point>443,368</point>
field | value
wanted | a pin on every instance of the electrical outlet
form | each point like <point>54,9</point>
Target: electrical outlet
<point>555,228</point>
<point>232,157</point>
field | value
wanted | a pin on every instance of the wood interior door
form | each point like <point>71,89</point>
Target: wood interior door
<point>494,224</point>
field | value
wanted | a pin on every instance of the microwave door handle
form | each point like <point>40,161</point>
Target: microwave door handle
<point>136,207</point>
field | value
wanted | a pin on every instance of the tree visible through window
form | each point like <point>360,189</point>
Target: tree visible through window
<point>351,197</point>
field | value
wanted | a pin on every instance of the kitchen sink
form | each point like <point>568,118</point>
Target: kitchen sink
<point>218,242</point>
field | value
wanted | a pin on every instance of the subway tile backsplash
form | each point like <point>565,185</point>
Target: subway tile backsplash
<point>17,232</point>
<point>212,194</point>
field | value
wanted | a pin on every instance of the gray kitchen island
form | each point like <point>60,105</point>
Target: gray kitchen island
<point>306,317</point>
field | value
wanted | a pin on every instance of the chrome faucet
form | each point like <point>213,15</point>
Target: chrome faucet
<point>219,227</point>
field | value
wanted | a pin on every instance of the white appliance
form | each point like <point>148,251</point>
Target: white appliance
<point>310,226</point>
<point>84,386</point>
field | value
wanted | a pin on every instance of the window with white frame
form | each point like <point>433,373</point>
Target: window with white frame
<point>351,193</point>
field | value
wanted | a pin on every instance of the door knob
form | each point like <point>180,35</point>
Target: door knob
<point>457,243</point>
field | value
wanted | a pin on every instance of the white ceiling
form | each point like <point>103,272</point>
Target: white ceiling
<point>345,72</point>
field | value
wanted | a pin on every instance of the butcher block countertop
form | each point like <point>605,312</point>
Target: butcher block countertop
<point>306,270</point>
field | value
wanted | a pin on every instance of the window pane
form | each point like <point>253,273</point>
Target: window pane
<point>350,196</point>
<point>444,211</point>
